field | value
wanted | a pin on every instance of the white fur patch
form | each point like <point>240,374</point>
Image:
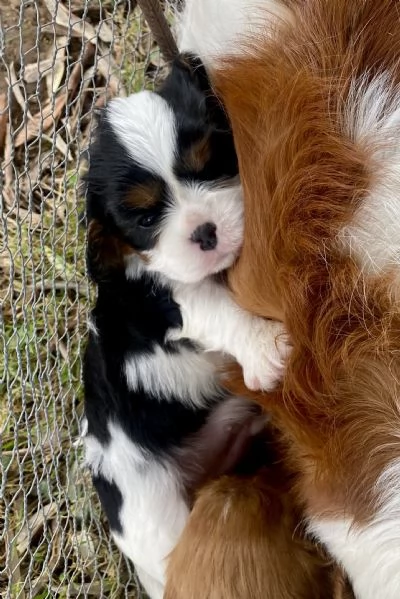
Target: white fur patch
<point>373,121</point>
<point>370,553</point>
<point>213,319</point>
<point>187,375</point>
<point>92,326</point>
<point>213,28</point>
<point>145,126</point>
<point>153,512</point>
<point>120,454</point>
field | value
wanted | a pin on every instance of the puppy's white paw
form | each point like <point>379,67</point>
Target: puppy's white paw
<point>264,356</point>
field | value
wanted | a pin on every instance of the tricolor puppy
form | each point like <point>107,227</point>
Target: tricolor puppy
<point>164,193</point>
<point>164,212</point>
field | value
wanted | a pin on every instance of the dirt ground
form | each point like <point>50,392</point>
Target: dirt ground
<point>25,26</point>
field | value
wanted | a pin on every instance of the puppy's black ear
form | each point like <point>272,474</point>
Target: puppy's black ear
<point>105,253</point>
<point>188,89</point>
<point>105,249</point>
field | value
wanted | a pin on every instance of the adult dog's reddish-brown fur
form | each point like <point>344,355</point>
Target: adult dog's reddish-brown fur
<point>305,175</point>
<point>304,179</point>
<point>244,540</point>
<point>239,544</point>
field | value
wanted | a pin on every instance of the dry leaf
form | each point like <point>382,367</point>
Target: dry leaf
<point>56,552</point>
<point>60,144</point>
<point>39,164</point>
<point>78,27</point>
<point>7,191</point>
<point>77,110</point>
<point>104,32</point>
<point>84,546</point>
<point>26,216</point>
<point>15,84</point>
<point>50,113</point>
<point>55,77</point>
<point>42,121</point>
<point>52,29</point>
<point>14,563</point>
<point>33,72</point>
<point>102,99</point>
<point>35,523</point>
<point>107,68</point>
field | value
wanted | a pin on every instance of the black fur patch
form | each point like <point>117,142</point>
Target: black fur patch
<point>111,181</point>
<point>111,501</point>
<point>132,317</point>
<point>201,123</point>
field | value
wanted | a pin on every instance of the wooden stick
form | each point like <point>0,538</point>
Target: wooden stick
<point>159,26</point>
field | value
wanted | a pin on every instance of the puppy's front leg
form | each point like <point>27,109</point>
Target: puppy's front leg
<point>211,317</point>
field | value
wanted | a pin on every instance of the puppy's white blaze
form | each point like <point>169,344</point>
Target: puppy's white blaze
<point>370,553</point>
<point>372,119</point>
<point>188,376</point>
<point>214,28</point>
<point>175,255</point>
<point>153,511</point>
<point>145,125</point>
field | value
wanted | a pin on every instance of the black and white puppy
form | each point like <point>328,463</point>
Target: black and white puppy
<point>164,212</point>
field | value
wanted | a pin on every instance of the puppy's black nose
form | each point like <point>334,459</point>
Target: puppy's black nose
<point>206,236</point>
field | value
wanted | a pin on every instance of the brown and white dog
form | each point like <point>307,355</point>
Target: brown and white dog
<point>312,89</point>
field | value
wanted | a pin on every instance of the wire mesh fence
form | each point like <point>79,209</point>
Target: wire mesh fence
<point>59,61</point>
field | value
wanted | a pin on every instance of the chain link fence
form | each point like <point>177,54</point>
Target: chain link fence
<point>59,61</point>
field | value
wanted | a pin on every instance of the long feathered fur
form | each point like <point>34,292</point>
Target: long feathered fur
<point>314,111</point>
<point>310,168</point>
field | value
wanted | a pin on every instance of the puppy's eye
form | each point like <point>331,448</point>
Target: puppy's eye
<point>147,221</point>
